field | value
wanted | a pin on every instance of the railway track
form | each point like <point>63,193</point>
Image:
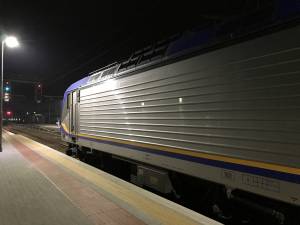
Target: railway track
<point>43,134</point>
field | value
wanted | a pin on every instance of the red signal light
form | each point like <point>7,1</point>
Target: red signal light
<point>8,113</point>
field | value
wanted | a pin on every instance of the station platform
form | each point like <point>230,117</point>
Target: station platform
<point>41,186</point>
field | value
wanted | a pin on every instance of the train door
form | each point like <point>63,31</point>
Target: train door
<point>73,113</point>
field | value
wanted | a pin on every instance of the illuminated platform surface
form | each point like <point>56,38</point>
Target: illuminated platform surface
<point>41,186</point>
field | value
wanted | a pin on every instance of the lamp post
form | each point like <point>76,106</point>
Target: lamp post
<point>11,42</point>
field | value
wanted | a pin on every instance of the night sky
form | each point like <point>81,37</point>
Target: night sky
<point>62,41</point>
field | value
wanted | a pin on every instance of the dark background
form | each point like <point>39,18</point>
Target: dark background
<point>62,41</point>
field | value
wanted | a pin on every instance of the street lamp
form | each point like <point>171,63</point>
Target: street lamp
<point>11,42</point>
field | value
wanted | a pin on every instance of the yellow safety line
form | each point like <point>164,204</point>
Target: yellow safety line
<point>154,209</point>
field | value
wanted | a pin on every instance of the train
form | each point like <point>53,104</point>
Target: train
<point>226,114</point>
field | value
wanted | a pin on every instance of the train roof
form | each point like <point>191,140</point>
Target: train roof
<point>191,41</point>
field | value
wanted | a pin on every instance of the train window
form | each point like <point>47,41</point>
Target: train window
<point>68,101</point>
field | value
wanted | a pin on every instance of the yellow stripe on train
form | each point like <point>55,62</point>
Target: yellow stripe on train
<point>245,162</point>
<point>251,163</point>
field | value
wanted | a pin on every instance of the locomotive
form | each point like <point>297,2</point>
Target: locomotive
<point>224,112</point>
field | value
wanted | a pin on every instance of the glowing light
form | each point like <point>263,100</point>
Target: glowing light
<point>180,100</point>
<point>8,113</point>
<point>6,97</point>
<point>142,103</point>
<point>7,88</point>
<point>11,42</point>
<point>110,84</point>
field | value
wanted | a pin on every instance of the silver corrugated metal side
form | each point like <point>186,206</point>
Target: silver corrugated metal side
<point>241,101</point>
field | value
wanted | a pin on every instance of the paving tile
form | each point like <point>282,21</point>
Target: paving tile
<point>28,198</point>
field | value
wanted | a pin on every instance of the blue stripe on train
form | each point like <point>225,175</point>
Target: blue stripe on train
<point>210,162</point>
